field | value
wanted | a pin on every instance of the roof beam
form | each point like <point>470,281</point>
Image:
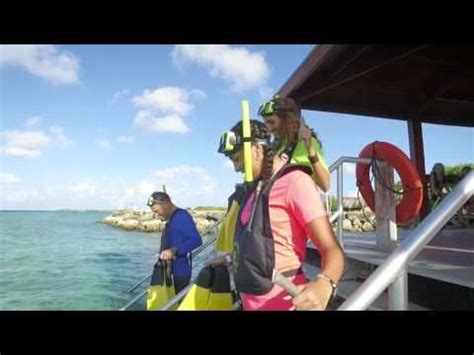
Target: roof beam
<point>360,73</point>
<point>306,68</point>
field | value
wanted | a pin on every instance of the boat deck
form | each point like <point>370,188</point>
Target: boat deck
<point>449,257</point>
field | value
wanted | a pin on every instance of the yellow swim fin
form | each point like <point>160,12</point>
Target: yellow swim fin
<point>198,296</point>
<point>161,286</point>
<point>220,298</point>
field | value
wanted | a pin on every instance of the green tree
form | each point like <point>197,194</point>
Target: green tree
<point>452,175</point>
<point>453,172</point>
<point>333,203</point>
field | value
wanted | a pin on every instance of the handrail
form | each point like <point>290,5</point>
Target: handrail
<point>342,160</point>
<point>180,295</point>
<point>339,214</point>
<point>135,300</point>
<point>138,297</point>
<point>134,287</point>
<point>411,246</point>
<point>194,254</point>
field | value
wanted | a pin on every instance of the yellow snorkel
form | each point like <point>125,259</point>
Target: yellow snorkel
<point>247,144</point>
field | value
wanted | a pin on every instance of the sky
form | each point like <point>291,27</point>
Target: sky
<point>103,126</point>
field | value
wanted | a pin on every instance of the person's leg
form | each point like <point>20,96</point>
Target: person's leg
<point>180,283</point>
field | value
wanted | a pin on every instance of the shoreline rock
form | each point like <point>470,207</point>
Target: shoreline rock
<point>144,221</point>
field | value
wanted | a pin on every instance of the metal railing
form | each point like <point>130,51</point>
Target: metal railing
<point>181,294</point>
<point>194,254</point>
<point>338,165</point>
<point>393,271</point>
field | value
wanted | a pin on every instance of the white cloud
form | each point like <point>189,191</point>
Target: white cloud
<point>147,121</point>
<point>57,134</point>
<point>23,144</point>
<point>7,178</point>
<point>171,173</point>
<point>162,110</point>
<point>125,139</point>
<point>33,121</point>
<point>194,178</point>
<point>45,61</point>
<point>75,194</point>
<point>20,152</point>
<point>27,196</point>
<point>145,188</point>
<point>228,164</point>
<point>352,193</point>
<point>188,186</point>
<point>350,169</point>
<point>243,69</point>
<point>165,100</point>
<point>103,143</point>
<point>83,190</point>
<point>31,143</point>
<point>198,94</point>
<point>122,93</point>
<point>266,93</point>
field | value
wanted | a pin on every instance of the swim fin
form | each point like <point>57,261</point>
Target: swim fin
<point>211,291</point>
<point>225,235</point>
<point>197,297</point>
<point>161,286</point>
<point>220,298</point>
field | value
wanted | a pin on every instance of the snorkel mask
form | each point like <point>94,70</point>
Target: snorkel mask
<point>231,142</point>
<point>271,107</point>
<point>158,197</point>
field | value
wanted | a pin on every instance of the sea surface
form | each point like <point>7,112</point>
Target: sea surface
<point>68,260</point>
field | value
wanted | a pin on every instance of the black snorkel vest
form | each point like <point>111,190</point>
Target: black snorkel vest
<point>254,251</point>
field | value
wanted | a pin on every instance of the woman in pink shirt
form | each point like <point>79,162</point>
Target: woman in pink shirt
<point>295,212</point>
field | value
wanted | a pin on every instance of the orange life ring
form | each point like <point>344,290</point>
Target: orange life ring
<point>410,205</point>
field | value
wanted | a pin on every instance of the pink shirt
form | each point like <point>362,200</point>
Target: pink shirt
<point>294,202</point>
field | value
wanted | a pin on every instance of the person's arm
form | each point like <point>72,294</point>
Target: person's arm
<point>184,230</point>
<point>316,294</point>
<point>321,175</point>
<point>308,210</point>
<point>192,239</point>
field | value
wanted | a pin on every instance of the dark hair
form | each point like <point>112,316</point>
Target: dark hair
<point>438,174</point>
<point>290,113</point>
<point>158,197</point>
<point>260,131</point>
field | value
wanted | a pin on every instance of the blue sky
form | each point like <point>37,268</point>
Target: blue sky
<point>101,127</point>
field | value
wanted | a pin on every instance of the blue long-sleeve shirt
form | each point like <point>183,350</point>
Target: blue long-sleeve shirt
<point>181,233</point>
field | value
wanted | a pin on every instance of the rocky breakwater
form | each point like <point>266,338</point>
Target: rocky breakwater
<point>358,217</point>
<point>144,221</point>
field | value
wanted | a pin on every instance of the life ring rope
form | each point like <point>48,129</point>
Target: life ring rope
<point>412,185</point>
<point>375,175</point>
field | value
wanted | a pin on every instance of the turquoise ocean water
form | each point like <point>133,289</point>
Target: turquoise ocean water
<point>67,260</point>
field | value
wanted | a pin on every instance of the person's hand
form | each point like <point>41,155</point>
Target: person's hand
<point>168,254</point>
<point>304,132</point>
<point>314,296</point>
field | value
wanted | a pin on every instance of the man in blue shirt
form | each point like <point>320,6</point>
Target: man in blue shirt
<point>178,239</point>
